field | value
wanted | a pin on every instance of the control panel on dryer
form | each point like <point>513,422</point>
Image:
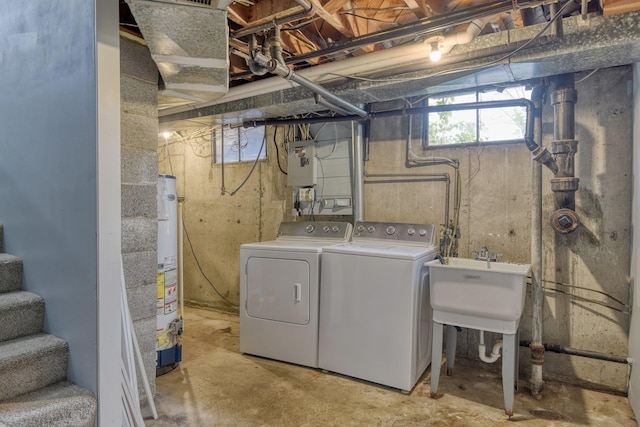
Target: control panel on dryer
<point>316,230</point>
<point>419,233</point>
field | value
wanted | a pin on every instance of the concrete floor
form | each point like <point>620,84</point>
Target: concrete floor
<point>215,385</point>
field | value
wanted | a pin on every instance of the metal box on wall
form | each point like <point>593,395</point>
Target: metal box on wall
<point>302,164</point>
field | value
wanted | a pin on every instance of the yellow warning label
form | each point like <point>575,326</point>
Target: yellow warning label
<point>163,338</point>
<point>160,281</point>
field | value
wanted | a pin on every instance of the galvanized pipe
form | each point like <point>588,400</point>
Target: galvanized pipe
<point>555,348</point>
<point>564,147</point>
<point>252,29</point>
<point>282,70</point>
<point>537,349</point>
<point>358,171</point>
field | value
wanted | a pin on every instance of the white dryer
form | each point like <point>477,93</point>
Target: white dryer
<point>279,291</point>
<point>375,313</point>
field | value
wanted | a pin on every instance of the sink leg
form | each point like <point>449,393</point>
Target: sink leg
<point>451,348</point>
<point>509,357</point>
<point>436,357</point>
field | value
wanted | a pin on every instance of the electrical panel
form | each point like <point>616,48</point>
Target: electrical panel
<point>302,164</point>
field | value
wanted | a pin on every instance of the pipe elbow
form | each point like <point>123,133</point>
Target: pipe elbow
<point>495,352</point>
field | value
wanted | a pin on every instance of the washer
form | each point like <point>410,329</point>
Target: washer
<point>375,313</point>
<point>279,291</point>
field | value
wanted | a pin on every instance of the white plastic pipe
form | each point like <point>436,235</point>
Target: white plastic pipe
<point>495,351</point>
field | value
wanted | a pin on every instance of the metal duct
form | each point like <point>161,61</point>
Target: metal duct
<point>189,41</point>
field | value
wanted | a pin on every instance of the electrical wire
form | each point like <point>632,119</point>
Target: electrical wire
<point>253,167</point>
<point>587,289</point>
<point>193,252</point>
<point>473,67</point>
<point>275,142</point>
<point>560,291</point>
<point>587,76</point>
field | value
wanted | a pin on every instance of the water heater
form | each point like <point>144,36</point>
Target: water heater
<point>168,324</point>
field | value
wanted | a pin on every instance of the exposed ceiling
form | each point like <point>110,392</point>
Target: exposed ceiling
<point>356,48</point>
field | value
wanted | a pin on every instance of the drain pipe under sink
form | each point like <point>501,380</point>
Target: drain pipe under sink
<point>495,351</point>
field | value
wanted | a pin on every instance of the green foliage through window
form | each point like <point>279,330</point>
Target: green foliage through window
<point>476,126</point>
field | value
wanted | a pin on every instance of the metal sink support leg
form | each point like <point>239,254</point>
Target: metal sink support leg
<point>509,367</point>
<point>451,348</point>
<point>436,357</point>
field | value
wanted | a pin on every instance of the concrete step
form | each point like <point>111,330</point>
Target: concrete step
<point>61,404</point>
<point>31,363</point>
<point>10,273</point>
<point>21,314</point>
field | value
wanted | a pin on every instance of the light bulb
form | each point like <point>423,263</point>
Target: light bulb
<point>435,55</point>
<point>166,134</point>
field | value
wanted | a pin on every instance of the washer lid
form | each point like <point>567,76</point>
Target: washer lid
<point>382,249</point>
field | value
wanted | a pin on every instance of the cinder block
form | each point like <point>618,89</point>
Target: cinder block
<point>149,360</point>
<point>146,333</point>
<point>142,301</point>
<point>140,268</point>
<point>138,132</point>
<point>138,97</point>
<point>139,234</point>
<point>136,61</point>
<point>139,200</point>
<point>139,166</point>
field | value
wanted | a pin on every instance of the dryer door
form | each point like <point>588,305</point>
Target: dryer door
<point>278,289</point>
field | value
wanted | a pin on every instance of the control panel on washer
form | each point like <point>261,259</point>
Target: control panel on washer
<point>419,233</point>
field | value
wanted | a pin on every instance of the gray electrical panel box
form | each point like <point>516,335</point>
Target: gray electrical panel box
<point>302,164</point>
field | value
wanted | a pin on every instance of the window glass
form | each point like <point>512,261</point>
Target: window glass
<point>475,126</point>
<point>240,144</point>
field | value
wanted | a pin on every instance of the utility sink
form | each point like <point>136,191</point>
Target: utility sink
<point>478,294</point>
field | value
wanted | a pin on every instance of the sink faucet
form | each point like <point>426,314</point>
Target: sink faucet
<point>484,255</point>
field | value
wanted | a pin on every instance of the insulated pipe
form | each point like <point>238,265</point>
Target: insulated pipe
<point>283,71</point>
<point>495,351</point>
<point>537,350</point>
<point>426,25</point>
<point>252,29</point>
<point>358,171</point>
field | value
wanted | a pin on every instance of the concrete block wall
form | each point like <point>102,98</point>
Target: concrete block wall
<point>139,135</point>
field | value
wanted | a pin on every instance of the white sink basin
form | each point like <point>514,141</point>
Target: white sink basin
<point>479,295</point>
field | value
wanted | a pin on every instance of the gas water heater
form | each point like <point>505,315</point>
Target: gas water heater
<point>169,324</point>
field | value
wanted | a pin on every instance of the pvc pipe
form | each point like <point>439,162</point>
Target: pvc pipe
<point>536,382</point>
<point>180,261</point>
<point>495,351</point>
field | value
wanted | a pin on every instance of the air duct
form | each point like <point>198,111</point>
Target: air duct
<point>189,42</point>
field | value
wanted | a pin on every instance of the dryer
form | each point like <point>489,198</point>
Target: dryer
<point>279,291</point>
<point>375,313</point>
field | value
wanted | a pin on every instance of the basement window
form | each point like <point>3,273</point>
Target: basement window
<point>239,144</point>
<point>476,126</point>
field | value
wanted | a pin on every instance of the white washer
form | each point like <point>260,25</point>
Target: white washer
<point>279,291</point>
<point>375,314</point>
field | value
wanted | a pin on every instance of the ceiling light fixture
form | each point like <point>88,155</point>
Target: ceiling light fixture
<point>435,55</point>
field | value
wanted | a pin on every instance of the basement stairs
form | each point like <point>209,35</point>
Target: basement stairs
<point>34,390</point>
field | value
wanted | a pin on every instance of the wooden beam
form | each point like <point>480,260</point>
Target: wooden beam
<point>268,10</point>
<point>329,15</point>
<point>614,7</point>
<point>238,14</point>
